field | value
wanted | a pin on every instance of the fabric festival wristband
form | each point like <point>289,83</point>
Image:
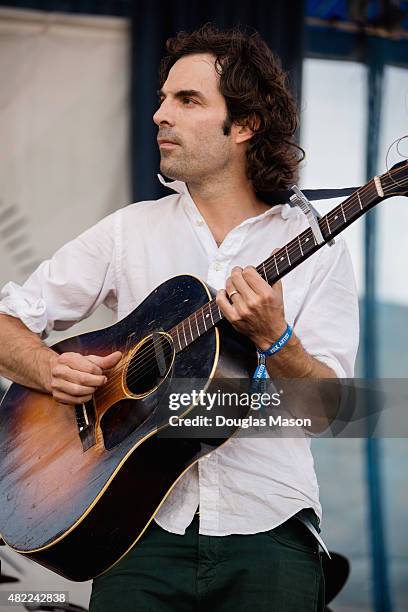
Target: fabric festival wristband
<point>261,371</point>
<point>279,344</point>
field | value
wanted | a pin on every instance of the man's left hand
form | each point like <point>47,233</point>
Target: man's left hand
<point>255,308</point>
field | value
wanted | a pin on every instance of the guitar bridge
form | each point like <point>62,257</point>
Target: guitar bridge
<point>85,418</point>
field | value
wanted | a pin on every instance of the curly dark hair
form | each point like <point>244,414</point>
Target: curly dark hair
<point>255,90</point>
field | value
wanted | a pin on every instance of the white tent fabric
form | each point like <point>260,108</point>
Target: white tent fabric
<point>63,133</point>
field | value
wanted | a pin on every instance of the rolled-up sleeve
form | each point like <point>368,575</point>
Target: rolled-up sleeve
<point>328,321</point>
<point>67,288</point>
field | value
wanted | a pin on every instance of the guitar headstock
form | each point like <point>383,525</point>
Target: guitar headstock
<point>395,181</point>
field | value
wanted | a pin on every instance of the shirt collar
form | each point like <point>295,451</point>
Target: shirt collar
<point>178,186</point>
<point>181,187</point>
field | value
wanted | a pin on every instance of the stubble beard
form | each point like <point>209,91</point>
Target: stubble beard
<point>176,169</point>
<point>193,168</point>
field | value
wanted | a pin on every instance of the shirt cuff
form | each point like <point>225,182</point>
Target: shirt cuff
<point>332,363</point>
<point>30,310</point>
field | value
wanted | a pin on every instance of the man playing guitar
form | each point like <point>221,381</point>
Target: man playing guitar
<point>225,131</point>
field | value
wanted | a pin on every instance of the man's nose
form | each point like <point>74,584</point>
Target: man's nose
<point>163,114</point>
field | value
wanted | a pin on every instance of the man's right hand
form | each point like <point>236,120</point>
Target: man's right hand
<point>73,378</point>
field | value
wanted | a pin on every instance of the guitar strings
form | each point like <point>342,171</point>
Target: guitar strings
<point>150,352</point>
<point>397,141</point>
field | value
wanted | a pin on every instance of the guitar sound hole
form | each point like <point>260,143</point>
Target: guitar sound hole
<point>150,364</point>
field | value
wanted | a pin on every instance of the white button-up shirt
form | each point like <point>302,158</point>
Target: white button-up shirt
<point>249,484</point>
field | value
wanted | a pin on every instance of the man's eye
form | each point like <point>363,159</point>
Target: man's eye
<point>187,100</point>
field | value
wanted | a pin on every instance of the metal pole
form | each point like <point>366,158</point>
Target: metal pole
<point>379,567</point>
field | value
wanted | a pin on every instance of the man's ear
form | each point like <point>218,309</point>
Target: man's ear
<point>245,130</point>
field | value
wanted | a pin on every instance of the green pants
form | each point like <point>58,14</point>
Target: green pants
<point>273,571</point>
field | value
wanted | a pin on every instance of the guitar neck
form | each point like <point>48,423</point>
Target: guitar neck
<point>304,245</point>
<point>288,257</point>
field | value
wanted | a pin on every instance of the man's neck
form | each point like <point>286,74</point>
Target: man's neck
<point>224,205</point>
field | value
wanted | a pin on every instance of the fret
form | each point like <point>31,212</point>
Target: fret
<point>184,332</point>
<point>178,337</point>
<point>342,210</point>
<point>191,331</point>
<point>328,226</point>
<point>307,243</point>
<point>212,320</point>
<point>359,200</point>
<point>264,272</point>
<point>198,329</point>
<point>282,259</point>
<point>276,265</point>
<point>173,337</point>
<point>202,312</point>
<point>335,225</point>
<point>216,314</point>
<point>295,249</point>
<point>351,207</point>
<point>287,254</point>
<point>300,245</point>
<point>307,239</point>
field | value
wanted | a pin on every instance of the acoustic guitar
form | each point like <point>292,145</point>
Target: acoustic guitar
<point>80,484</point>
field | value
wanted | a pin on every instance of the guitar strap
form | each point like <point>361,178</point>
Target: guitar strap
<point>303,518</point>
<point>283,197</point>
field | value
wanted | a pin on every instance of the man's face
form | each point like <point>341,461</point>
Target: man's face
<point>190,121</point>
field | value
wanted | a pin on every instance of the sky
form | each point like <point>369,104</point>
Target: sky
<point>333,132</point>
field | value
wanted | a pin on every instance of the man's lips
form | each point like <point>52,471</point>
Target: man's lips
<point>166,143</point>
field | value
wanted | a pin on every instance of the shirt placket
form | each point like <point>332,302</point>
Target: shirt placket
<point>209,492</point>
<point>219,268</point>
<point>208,468</point>
<point>219,258</point>
<point>220,264</point>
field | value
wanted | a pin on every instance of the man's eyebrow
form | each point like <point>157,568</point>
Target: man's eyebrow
<point>183,93</point>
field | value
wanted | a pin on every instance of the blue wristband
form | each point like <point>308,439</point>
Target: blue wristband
<point>279,344</point>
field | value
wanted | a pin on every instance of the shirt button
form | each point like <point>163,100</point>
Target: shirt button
<point>218,267</point>
<point>199,222</point>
